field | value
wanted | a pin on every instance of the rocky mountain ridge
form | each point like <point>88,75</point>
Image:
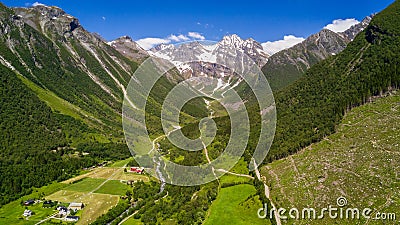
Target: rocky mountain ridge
<point>286,66</point>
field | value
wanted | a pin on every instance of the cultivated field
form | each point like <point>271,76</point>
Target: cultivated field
<point>114,187</point>
<point>113,173</point>
<point>95,204</point>
<point>99,189</point>
<point>85,185</point>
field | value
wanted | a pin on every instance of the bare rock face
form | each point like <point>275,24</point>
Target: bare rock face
<point>56,24</point>
<point>127,47</point>
<point>73,25</point>
<point>352,32</point>
<point>48,18</point>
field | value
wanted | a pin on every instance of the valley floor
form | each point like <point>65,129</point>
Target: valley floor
<point>360,162</point>
<point>99,189</point>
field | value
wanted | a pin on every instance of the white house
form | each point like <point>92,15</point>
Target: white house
<point>27,213</point>
<point>63,211</point>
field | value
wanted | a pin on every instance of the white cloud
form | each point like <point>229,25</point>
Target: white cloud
<point>272,47</point>
<point>38,4</point>
<point>148,43</point>
<point>196,35</point>
<point>104,18</point>
<point>341,25</point>
<point>180,37</point>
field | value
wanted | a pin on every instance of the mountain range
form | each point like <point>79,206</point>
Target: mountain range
<point>281,68</point>
<point>63,89</point>
<point>79,75</point>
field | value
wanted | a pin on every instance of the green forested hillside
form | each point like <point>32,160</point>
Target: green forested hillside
<point>313,106</point>
<point>72,87</point>
<point>29,131</point>
<point>50,108</point>
<point>34,141</point>
<point>360,162</point>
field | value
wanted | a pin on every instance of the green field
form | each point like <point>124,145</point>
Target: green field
<point>56,221</point>
<point>12,212</point>
<point>235,205</point>
<point>121,163</point>
<point>132,221</point>
<point>232,179</point>
<point>114,187</point>
<point>14,215</point>
<point>239,168</point>
<point>85,185</point>
<point>360,162</point>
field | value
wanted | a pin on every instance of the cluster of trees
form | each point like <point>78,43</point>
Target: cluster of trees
<point>105,151</point>
<point>259,185</point>
<point>34,148</point>
<point>186,205</point>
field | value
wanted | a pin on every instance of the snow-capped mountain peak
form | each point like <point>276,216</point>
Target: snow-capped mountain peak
<point>231,48</point>
<point>232,40</point>
<point>162,47</point>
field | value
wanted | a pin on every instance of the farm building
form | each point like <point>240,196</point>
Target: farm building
<point>138,170</point>
<point>29,202</point>
<point>72,218</point>
<point>75,206</point>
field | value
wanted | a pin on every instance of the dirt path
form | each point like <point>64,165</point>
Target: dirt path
<point>49,217</point>
<point>235,174</point>
<point>209,161</point>
<point>267,193</point>
<point>127,218</point>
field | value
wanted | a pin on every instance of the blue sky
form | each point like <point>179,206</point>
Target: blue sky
<point>261,20</point>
